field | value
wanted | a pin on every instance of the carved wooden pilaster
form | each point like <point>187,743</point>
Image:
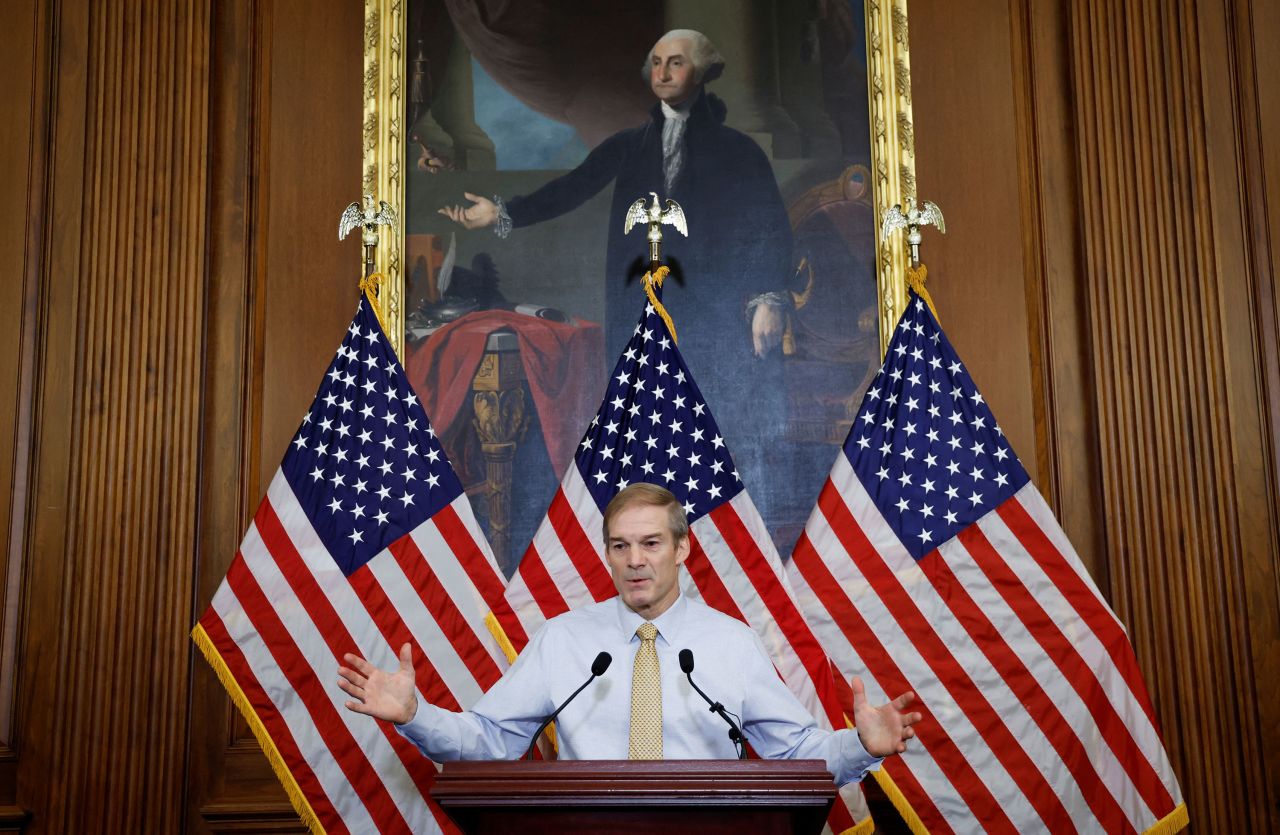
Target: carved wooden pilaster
<point>1178,405</point>
<point>117,419</point>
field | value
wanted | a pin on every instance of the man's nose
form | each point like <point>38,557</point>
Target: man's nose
<point>664,72</point>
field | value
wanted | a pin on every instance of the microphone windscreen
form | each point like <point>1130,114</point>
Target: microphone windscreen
<point>686,661</point>
<point>602,662</point>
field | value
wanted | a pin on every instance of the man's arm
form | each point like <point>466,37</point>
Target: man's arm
<point>570,190</point>
<point>498,726</point>
<point>560,196</point>
<point>779,727</point>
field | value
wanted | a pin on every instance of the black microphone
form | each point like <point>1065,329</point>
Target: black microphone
<point>602,662</point>
<point>735,734</point>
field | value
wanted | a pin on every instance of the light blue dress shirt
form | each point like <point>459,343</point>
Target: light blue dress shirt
<point>731,665</point>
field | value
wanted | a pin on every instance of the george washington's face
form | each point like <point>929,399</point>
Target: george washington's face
<point>671,73</point>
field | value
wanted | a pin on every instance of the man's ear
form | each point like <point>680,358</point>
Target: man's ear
<point>682,549</point>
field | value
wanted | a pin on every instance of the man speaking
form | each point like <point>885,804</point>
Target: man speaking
<point>643,705</point>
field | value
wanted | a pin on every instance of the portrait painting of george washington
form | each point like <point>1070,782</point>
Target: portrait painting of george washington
<point>529,128</point>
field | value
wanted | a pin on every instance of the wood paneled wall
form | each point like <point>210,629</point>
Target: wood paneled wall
<point>1110,174</point>
<point>112,329</point>
<point>1190,506</point>
<point>1143,202</point>
<point>284,161</point>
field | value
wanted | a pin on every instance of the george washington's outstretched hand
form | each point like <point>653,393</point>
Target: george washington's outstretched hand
<point>378,693</point>
<point>883,730</point>
<point>481,213</point>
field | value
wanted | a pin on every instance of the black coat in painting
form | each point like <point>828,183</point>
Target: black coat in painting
<point>739,246</point>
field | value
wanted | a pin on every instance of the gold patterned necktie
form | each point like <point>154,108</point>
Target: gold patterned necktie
<point>646,698</point>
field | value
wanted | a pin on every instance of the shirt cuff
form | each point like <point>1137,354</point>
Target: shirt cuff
<point>775,298</point>
<point>849,761</point>
<point>422,732</point>
<point>503,227</point>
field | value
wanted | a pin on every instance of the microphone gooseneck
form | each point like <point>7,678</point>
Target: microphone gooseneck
<point>602,662</point>
<point>735,733</point>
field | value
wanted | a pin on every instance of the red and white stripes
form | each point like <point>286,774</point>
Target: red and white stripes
<point>1036,715</point>
<point>285,615</point>
<point>563,568</point>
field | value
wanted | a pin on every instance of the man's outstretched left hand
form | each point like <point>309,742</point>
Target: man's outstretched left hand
<point>884,730</point>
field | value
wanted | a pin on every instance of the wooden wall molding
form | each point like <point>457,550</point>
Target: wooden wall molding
<point>1066,463</point>
<point>1188,502</point>
<point>117,419</point>
<point>229,785</point>
<point>23,161</point>
<point>1258,64</point>
<point>284,159</point>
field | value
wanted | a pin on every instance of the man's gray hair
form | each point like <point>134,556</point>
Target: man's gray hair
<point>648,495</point>
<point>708,63</point>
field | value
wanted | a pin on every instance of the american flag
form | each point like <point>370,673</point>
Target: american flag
<point>932,564</point>
<point>654,426</point>
<point>364,541</point>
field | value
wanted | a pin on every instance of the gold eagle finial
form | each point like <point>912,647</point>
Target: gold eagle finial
<point>912,220</point>
<point>654,216</point>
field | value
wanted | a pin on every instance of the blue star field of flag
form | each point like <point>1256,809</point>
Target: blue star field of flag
<point>366,466</point>
<point>924,444</point>
<point>654,426</point>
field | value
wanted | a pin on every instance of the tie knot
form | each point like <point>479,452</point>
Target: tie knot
<point>647,631</point>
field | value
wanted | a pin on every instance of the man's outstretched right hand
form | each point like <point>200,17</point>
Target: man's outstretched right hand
<point>383,695</point>
<point>482,212</point>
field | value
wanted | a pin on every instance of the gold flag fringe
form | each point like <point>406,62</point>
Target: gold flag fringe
<point>900,802</point>
<point>1176,821</point>
<point>915,280</point>
<point>296,797</point>
<point>890,788</point>
<point>370,284</point>
<point>866,827</point>
<point>652,280</point>
<point>500,635</point>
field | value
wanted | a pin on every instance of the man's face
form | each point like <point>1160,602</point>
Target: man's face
<point>645,559</point>
<point>671,72</point>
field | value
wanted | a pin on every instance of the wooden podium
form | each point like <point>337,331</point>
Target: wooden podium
<point>667,796</point>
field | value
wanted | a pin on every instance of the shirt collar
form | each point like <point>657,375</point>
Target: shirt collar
<point>680,112</point>
<point>668,623</point>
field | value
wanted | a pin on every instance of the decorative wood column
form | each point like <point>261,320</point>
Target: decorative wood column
<point>119,301</point>
<point>1190,508</point>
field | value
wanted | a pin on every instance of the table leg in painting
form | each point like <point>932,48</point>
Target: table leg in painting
<point>501,416</point>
